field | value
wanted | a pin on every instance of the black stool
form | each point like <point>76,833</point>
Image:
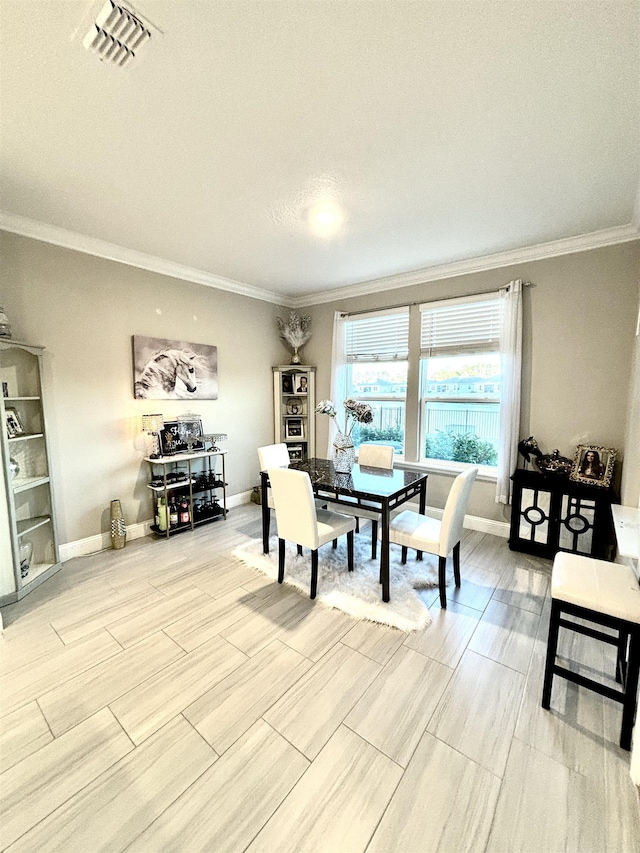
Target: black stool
<point>607,594</point>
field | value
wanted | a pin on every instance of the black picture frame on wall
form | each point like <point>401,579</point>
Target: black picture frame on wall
<point>170,444</point>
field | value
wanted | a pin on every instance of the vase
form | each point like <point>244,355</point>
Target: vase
<point>344,453</point>
<point>25,552</point>
<point>295,358</point>
<point>118,527</point>
<point>5,325</point>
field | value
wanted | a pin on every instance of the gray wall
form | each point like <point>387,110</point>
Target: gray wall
<point>579,344</point>
<point>631,474</point>
<point>84,310</point>
<point>579,324</point>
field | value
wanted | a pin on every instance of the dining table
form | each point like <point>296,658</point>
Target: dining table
<point>381,489</point>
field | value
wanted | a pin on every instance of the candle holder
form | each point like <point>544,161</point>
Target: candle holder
<point>152,424</point>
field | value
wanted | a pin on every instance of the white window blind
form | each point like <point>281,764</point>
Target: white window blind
<point>460,326</point>
<point>379,336</point>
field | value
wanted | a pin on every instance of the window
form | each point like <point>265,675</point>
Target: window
<point>453,355</point>
<point>377,352</point>
<point>460,380</point>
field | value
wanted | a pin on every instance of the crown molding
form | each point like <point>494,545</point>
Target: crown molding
<point>112,252</point>
<point>567,246</point>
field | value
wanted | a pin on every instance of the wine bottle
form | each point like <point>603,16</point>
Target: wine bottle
<point>185,517</point>
<point>173,513</point>
<point>162,515</point>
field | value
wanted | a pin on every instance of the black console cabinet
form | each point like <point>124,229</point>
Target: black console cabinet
<point>551,513</point>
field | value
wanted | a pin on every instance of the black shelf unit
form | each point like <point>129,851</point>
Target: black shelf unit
<point>201,478</point>
<point>552,513</point>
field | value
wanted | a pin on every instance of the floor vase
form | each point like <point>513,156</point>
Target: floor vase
<point>118,527</point>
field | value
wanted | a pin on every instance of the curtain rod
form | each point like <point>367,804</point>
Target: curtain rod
<point>422,301</point>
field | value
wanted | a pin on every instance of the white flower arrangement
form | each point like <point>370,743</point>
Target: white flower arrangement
<point>355,412</point>
<point>296,332</point>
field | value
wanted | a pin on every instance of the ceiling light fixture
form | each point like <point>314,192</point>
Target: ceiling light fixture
<point>325,218</point>
<point>117,35</point>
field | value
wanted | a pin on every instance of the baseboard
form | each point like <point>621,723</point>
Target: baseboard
<point>102,541</point>
<point>471,522</point>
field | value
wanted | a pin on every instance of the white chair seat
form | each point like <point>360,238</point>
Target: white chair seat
<point>417,531</point>
<point>332,525</point>
<point>608,588</point>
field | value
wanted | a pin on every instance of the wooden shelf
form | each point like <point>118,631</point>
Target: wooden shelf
<point>26,437</point>
<point>20,399</point>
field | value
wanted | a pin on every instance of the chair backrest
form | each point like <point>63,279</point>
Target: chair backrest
<point>376,455</point>
<point>273,456</point>
<point>295,506</point>
<point>454,511</point>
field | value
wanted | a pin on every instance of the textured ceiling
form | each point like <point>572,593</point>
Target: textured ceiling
<point>442,131</point>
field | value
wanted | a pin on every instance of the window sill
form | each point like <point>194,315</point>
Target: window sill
<point>452,469</point>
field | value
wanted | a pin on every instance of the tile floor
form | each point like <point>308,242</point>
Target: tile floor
<point>167,697</point>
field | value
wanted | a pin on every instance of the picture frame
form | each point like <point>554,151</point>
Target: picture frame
<point>301,383</point>
<point>295,452</point>
<point>5,389</point>
<point>293,428</point>
<point>593,464</point>
<point>170,444</point>
<point>287,383</point>
<point>296,406</point>
<point>12,423</point>
<point>165,369</point>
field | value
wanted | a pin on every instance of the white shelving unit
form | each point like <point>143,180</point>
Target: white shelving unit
<point>294,404</point>
<point>27,507</point>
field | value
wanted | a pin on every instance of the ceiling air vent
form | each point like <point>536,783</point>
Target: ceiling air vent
<point>117,35</point>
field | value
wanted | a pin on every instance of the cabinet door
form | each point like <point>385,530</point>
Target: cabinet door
<point>577,522</point>
<point>534,523</point>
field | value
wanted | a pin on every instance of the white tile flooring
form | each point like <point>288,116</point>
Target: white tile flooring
<point>166,697</point>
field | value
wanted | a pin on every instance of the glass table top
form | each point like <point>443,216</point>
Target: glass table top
<point>363,479</point>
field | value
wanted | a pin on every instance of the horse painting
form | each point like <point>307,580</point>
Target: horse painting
<point>174,372</point>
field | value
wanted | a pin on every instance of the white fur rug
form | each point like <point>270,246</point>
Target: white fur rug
<point>357,593</point>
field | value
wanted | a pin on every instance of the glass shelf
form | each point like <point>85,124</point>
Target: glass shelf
<point>30,524</point>
<point>25,437</point>
<point>25,483</point>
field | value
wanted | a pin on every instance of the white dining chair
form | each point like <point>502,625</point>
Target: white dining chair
<point>411,530</point>
<point>299,520</point>
<point>277,456</point>
<point>373,456</point>
<point>272,456</point>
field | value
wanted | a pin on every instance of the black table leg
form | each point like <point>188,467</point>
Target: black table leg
<point>384,552</point>
<point>266,515</point>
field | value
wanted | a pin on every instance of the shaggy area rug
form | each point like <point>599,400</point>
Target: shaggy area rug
<point>357,593</point>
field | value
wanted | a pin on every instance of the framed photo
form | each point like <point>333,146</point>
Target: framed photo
<point>296,406</point>
<point>593,464</point>
<point>170,443</point>
<point>287,383</point>
<point>295,452</point>
<point>293,428</point>
<point>12,423</point>
<point>301,383</point>
<point>5,389</point>
<point>165,369</point>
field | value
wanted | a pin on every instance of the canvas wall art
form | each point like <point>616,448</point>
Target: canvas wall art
<point>174,370</point>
